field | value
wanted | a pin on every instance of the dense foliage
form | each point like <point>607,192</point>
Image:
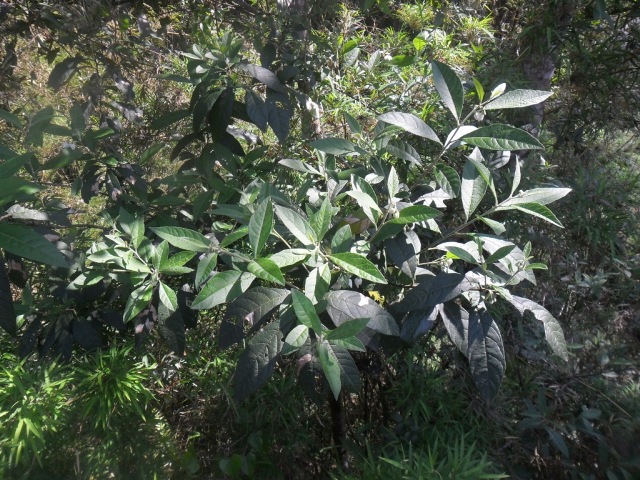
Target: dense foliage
<point>308,223</point>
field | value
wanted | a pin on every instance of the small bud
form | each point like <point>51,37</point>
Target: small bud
<point>479,115</point>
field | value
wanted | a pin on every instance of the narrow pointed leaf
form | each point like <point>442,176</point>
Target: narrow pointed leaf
<point>138,301</point>
<point>267,270</point>
<point>449,87</point>
<point>486,354</point>
<point>205,268</point>
<point>260,226</point>
<point>330,367</point>
<point>305,311</point>
<point>295,339</point>
<point>502,137</point>
<point>348,329</point>
<point>358,265</point>
<point>335,146</point>
<point>414,214</point>
<point>403,151</point>
<point>297,225</point>
<point>552,329</point>
<point>349,374</point>
<point>448,179</point>
<point>318,282</point>
<point>183,238</point>
<point>411,124</point>
<point>321,220</point>
<point>168,297</point>
<point>258,361</point>
<point>222,288</point>
<point>539,211</point>
<point>517,99</point>
<point>472,189</point>
<point>543,196</point>
<point>26,243</point>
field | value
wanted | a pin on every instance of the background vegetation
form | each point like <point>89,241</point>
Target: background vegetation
<point>262,239</point>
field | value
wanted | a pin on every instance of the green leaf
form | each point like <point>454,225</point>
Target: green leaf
<point>321,220</point>
<point>267,270</point>
<point>306,312</point>
<point>11,119</point>
<point>330,367</point>
<point>7,311</point>
<point>411,124</point>
<point>349,374</point>
<point>63,72</point>
<point>433,290</point>
<point>335,146</point>
<point>260,226</point>
<point>502,137</point>
<point>151,152</point>
<point>499,254</point>
<point>358,265</point>
<point>552,329</point>
<point>290,256</point>
<point>486,354</point>
<point>346,305</point>
<point>539,211</point>
<point>169,119</point>
<point>393,183</point>
<point>403,151</point>
<point>473,188</point>
<point>462,254</point>
<point>26,243</point>
<point>263,75</point>
<point>297,225</point>
<point>222,288</point>
<point>13,189</point>
<point>497,227</point>
<point>484,173</point>
<point>479,89</point>
<point>414,214</point>
<point>543,196</point>
<point>449,87</point>
<point>205,268</point>
<point>347,329</point>
<point>258,361</point>
<point>138,301</point>
<point>257,110</point>
<point>342,240</point>
<point>448,179</point>
<point>234,236</point>
<point>318,282</point>
<point>517,99</point>
<point>183,238</point>
<point>298,165</point>
<point>132,225</point>
<point>364,200</point>
<point>168,297</point>
<point>296,338</point>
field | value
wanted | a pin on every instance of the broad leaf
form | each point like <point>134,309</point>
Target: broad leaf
<point>358,265</point>
<point>11,119</point>
<point>256,364</point>
<point>552,329</point>
<point>260,226</point>
<point>183,238</point>
<point>418,323</point>
<point>297,225</point>
<point>411,124</point>
<point>364,200</point>
<point>449,87</point>
<point>257,110</point>
<point>517,99</point>
<point>26,243</point>
<point>403,252</point>
<point>342,240</point>
<point>171,327</point>
<point>537,210</point>
<point>473,188</point>
<point>13,165</point>
<point>14,189</point>
<point>502,137</point>
<point>290,256</point>
<point>305,311</point>
<point>222,288</point>
<point>346,305</point>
